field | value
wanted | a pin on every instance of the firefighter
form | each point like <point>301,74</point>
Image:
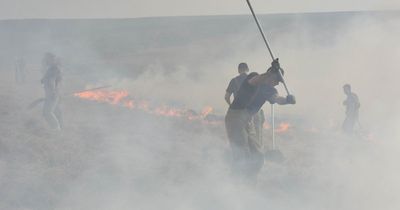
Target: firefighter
<point>51,82</point>
<point>233,87</point>
<point>247,148</point>
<point>236,82</point>
<point>352,105</point>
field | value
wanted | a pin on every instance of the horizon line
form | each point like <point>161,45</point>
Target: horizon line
<point>221,15</point>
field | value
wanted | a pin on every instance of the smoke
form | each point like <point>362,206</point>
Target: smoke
<point>110,157</point>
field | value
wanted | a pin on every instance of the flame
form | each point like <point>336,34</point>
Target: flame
<point>129,104</point>
<point>168,111</point>
<point>123,99</point>
<point>266,125</point>
<point>283,127</point>
<point>112,97</point>
<point>206,111</point>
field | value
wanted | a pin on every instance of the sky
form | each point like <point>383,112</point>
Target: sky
<point>20,9</point>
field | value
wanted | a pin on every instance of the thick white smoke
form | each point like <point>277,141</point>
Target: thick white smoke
<point>110,157</point>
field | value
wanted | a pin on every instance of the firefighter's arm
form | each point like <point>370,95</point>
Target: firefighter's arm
<point>258,79</point>
<point>290,99</point>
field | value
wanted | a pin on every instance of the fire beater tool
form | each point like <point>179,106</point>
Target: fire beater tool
<point>273,154</point>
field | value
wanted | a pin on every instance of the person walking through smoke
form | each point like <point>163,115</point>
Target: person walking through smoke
<point>352,105</point>
<point>247,149</point>
<point>51,83</point>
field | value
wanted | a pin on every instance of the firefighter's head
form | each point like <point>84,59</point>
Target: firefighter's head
<point>347,89</point>
<point>243,68</point>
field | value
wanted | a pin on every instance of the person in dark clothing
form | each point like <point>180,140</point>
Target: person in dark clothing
<point>233,87</point>
<point>352,109</point>
<point>247,148</point>
<point>51,83</point>
<point>236,82</point>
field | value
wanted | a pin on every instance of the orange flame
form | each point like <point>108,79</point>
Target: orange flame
<point>206,111</point>
<point>283,127</point>
<point>112,97</point>
<point>167,111</point>
<point>129,104</point>
<point>266,125</point>
<point>122,98</point>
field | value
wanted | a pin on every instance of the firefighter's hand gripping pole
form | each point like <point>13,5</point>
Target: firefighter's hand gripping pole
<point>266,42</point>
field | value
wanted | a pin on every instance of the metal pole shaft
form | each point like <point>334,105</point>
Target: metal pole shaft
<point>273,126</point>
<point>266,42</point>
<point>284,85</point>
<point>261,30</point>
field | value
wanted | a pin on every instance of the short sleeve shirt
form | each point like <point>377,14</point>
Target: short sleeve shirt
<point>235,84</point>
<point>252,97</point>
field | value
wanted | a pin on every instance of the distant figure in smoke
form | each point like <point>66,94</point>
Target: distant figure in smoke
<point>20,70</point>
<point>352,107</point>
<point>233,87</point>
<point>256,89</point>
<point>48,59</point>
<point>51,83</point>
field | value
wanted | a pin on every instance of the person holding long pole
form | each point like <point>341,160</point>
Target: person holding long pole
<point>247,149</point>
<point>282,79</point>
